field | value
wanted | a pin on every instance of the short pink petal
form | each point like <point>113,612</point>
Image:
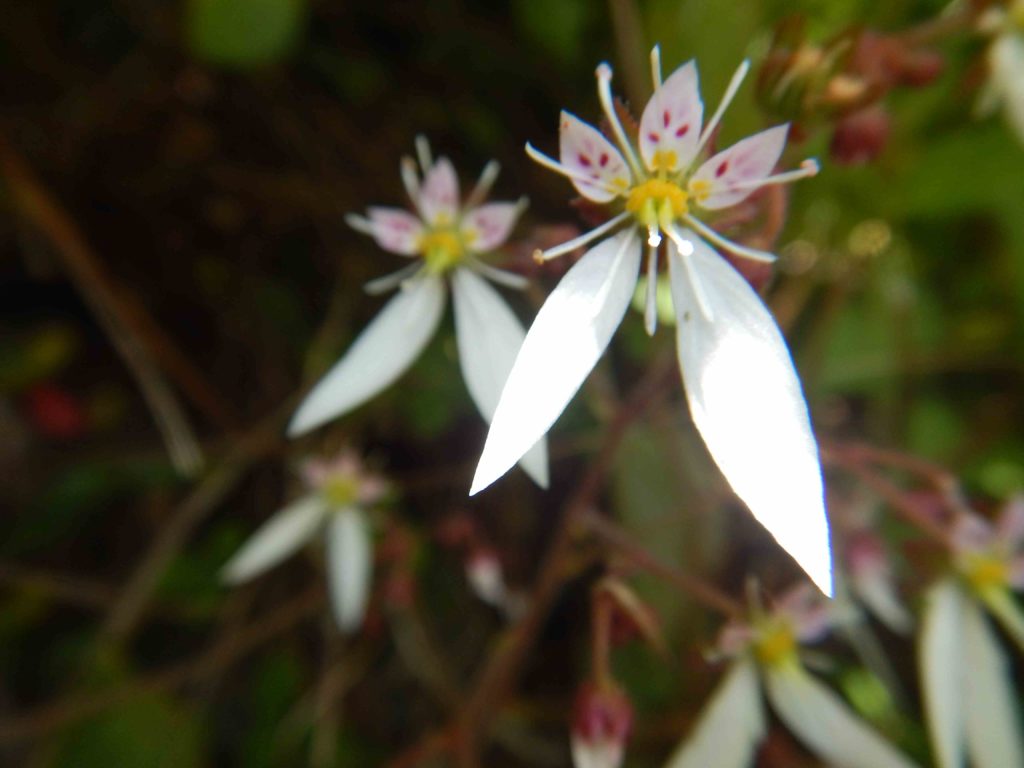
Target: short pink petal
<point>584,151</point>
<point>1016,576</point>
<point>729,172</point>
<point>809,614</point>
<point>488,226</point>
<point>439,195</point>
<point>671,122</point>
<point>1010,527</point>
<point>396,230</point>
<point>972,533</point>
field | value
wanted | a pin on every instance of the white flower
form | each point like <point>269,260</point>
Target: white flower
<point>1005,59</point>
<point>733,724</point>
<point>448,237</point>
<point>744,394</point>
<point>340,493</point>
<point>968,692</point>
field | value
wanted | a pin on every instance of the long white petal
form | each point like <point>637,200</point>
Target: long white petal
<point>381,353</point>
<point>564,343</point>
<point>941,658</point>
<point>746,400</point>
<point>489,336</point>
<point>994,736</point>
<point>279,537</point>
<point>731,726</point>
<point>349,567</point>
<point>1004,607</point>
<point>824,723</point>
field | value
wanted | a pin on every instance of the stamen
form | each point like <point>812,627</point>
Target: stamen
<point>411,182</point>
<point>384,284</point>
<point>360,224</point>
<point>582,240</point>
<point>723,242</point>
<point>653,236</point>
<point>685,250</point>
<point>727,97</point>
<point>552,164</point>
<point>500,276</point>
<point>423,153</point>
<point>483,185</point>
<point>604,92</point>
<point>656,66</point>
<point>807,169</point>
<point>651,306</point>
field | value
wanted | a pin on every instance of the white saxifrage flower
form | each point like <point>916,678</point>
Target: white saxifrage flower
<point>968,686</point>
<point>743,391</point>
<point>1005,59</point>
<point>766,653</point>
<point>336,506</point>
<point>447,238</point>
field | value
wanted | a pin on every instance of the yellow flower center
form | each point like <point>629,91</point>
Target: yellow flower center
<point>442,249</point>
<point>655,199</point>
<point>775,644</point>
<point>340,491</point>
<point>985,572</point>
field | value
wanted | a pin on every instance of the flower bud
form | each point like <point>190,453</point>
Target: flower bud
<point>601,722</point>
<point>861,136</point>
<point>484,574</point>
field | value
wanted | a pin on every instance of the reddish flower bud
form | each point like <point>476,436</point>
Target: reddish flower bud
<point>861,136</point>
<point>55,412</point>
<point>601,722</point>
<point>484,574</point>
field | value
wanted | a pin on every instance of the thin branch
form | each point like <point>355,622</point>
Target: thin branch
<point>44,720</point>
<point>695,588</point>
<point>503,666</point>
<point>138,338</point>
<point>172,536</point>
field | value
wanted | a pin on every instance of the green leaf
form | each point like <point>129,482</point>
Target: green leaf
<point>244,33</point>
<point>148,732</point>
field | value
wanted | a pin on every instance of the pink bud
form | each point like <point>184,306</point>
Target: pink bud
<point>861,136</point>
<point>483,571</point>
<point>601,721</point>
<point>55,412</point>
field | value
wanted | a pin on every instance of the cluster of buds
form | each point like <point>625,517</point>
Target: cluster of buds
<point>844,82</point>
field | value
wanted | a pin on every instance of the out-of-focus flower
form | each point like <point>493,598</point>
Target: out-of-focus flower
<point>968,691</point>
<point>866,564</point>
<point>743,391</point>
<point>341,492</point>
<point>601,721</point>
<point>1005,59</point>
<point>447,238</point>
<point>766,653</point>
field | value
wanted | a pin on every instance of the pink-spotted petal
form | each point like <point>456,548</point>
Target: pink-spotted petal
<point>396,230</point>
<point>439,195</point>
<point>670,125</point>
<point>488,226</point>
<point>599,172</point>
<point>732,174</point>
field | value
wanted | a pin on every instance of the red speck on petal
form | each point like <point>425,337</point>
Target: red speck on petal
<point>682,130</point>
<point>584,160</point>
<point>653,136</point>
<point>721,169</point>
<point>666,117</point>
<point>604,159</point>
